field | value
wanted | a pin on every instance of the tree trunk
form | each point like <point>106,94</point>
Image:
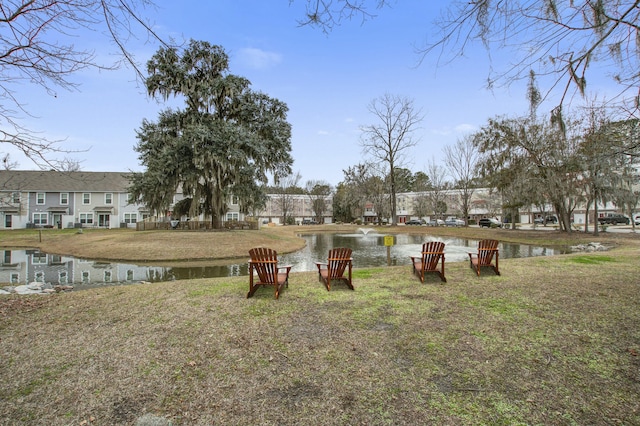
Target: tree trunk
<point>586,217</point>
<point>215,222</point>
<point>596,224</point>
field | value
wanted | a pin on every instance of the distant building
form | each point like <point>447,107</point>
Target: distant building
<point>66,200</point>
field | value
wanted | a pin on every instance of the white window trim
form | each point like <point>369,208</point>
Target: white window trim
<point>40,218</point>
<point>86,217</point>
<point>83,198</point>
<point>110,201</point>
<point>62,202</point>
<point>44,198</point>
<point>130,218</point>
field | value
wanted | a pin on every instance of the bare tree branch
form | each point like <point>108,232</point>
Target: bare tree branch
<point>38,46</point>
<point>391,137</point>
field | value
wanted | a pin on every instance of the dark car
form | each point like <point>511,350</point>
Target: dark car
<point>489,222</point>
<point>613,219</point>
<point>545,220</point>
<point>415,222</point>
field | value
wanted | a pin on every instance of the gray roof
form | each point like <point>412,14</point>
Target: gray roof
<point>51,181</point>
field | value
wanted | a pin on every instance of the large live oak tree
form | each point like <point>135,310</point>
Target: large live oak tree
<point>226,141</point>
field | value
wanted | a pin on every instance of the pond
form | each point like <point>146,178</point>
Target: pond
<point>26,266</point>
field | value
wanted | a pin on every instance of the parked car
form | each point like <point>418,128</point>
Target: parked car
<point>309,222</point>
<point>415,222</point>
<point>454,221</point>
<point>544,220</point>
<point>636,219</point>
<point>489,222</point>
<point>613,219</point>
<point>436,222</point>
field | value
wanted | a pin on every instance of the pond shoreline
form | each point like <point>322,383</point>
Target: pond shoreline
<point>34,267</point>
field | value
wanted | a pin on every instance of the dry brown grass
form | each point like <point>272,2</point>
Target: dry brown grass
<point>152,246</point>
<point>554,340</point>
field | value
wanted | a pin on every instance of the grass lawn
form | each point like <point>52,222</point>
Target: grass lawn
<point>553,340</point>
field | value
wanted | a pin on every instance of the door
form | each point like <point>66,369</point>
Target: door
<point>7,221</point>
<point>57,220</point>
<point>103,220</point>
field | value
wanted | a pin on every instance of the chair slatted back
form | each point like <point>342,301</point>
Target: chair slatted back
<point>431,254</point>
<point>338,261</point>
<point>265,262</point>
<point>486,251</point>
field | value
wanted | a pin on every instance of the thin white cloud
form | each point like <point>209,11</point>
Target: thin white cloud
<point>258,59</point>
<point>459,129</point>
<point>441,132</point>
<point>465,128</point>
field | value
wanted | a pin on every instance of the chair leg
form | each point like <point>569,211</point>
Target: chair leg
<point>252,290</point>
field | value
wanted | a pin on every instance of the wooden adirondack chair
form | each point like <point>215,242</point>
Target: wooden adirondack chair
<point>487,251</point>
<point>338,261</point>
<point>264,264</point>
<point>432,254</point>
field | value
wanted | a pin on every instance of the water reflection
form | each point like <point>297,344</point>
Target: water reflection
<point>369,250</point>
<point>26,266</point>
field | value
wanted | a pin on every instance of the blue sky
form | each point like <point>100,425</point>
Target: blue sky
<point>327,80</point>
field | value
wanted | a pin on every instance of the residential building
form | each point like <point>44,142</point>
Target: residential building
<point>299,208</point>
<point>37,198</point>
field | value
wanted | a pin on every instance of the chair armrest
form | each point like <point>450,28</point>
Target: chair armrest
<point>321,266</point>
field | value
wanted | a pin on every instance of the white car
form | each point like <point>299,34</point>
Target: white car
<point>436,222</point>
<point>454,221</point>
<point>636,218</point>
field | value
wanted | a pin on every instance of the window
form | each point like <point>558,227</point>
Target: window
<point>86,218</point>
<point>85,277</point>
<point>234,200</point>
<point>130,217</point>
<point>39,259</point>
<point>40,218</point>
<point>40,198</point>
<point>232,216</point>
<point>40,277</point>
<point>129,274</point>
<point>108,199</point>
<point>86,198</point>
<point>107,276</point>
<point>15,197</point>
<point>15,278</point>
<point>64,198</point>
<point>62,277</point>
